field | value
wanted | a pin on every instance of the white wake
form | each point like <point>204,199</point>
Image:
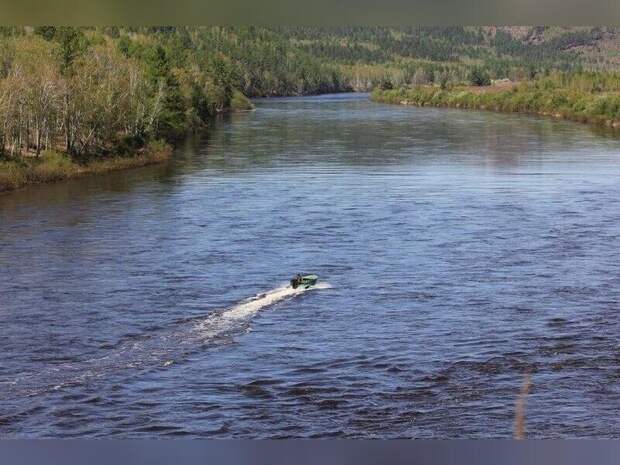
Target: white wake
<point>239,315</point>
<point>249,308</point>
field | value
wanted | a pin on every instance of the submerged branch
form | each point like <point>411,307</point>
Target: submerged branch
<point>519,425</point>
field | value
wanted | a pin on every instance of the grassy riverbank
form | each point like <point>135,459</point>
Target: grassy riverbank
<point>53,166</point>
<point>586,97</point>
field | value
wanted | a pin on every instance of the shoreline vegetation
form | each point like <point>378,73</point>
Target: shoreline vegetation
<point>586,97</point>
<point>53,166</point>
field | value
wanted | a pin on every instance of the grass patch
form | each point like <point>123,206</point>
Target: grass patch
<point>55,166</point>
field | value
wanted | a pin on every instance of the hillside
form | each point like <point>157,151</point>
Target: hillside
<point>514,52</point>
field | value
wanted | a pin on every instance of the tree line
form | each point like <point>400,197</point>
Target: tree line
<point>98,91</point>
<point>64,89</point>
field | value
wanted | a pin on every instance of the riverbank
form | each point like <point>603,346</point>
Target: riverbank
<point>534,97</point>
<point>54,166</point>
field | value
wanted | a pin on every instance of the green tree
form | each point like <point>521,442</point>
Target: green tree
<point>72,44</point>
<point>171,117</point>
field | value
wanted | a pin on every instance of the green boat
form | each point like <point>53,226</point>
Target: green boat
<point>304,281</point>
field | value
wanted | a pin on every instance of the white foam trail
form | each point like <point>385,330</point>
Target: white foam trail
<point>219,323</point>
<point>249,308</point>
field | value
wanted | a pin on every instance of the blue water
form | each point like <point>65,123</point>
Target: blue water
<point>459,251</point>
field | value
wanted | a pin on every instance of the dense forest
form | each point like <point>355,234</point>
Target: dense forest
<point>70,96</point>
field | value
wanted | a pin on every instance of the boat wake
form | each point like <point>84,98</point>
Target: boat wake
<point>156,350</point>
<point>250,307</point>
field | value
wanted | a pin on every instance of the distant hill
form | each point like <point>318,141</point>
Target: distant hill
<point>557,47</point>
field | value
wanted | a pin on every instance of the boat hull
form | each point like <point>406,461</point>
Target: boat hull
<point>305,282</point>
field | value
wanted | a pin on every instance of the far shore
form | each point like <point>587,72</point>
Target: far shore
<point>601,109</point>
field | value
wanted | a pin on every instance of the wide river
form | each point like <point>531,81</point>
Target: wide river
<point>458,251</point>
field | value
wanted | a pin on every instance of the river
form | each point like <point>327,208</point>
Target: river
<point>457,250</point>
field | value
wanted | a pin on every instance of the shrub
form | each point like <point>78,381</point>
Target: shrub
<point>158,149</point>
<point>479,77</point>
<point>240,102</point>
<point>52,166</point>
<point>13,175</point>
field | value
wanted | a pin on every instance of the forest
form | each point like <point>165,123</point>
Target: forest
<point>74,100</point>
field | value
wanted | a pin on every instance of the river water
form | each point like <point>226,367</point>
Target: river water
<point>457,251</point>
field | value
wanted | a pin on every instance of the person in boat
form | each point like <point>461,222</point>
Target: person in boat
<point>296,281</point>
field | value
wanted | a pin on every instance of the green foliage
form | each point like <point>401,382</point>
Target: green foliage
<point>72,44</point>
<point>479,76</point>
<point>47,32</point>
<point>125,45</point>
<point>71,39</point>
<point>444,78</point>
<point>385,84</point>
<point>157,65</point>
<point>171,121</point>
